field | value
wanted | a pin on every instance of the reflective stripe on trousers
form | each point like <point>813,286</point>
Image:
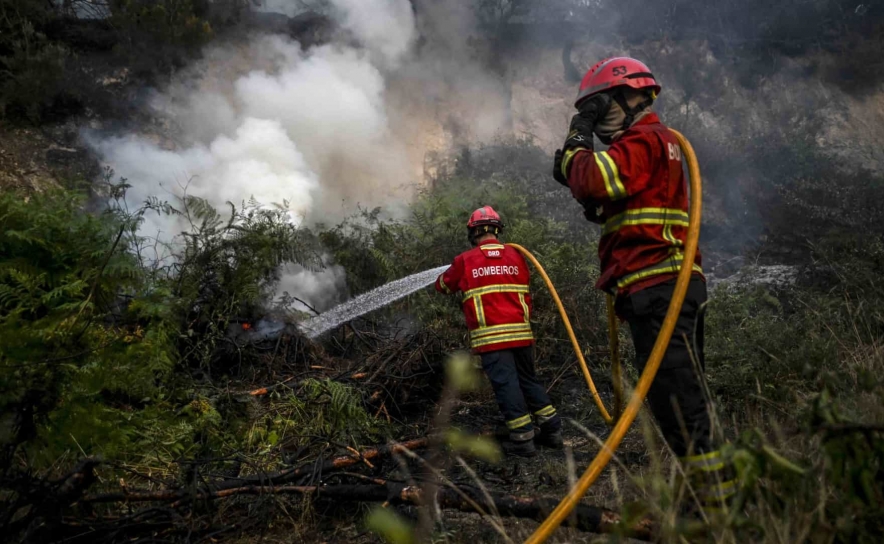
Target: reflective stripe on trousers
<point>711,476</point>
<point>544,414</point>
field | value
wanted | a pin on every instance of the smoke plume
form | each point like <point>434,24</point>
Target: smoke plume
<point>271,122</point>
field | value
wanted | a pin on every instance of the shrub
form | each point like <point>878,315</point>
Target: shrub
<point>65,341</point>
<point>96,342</point>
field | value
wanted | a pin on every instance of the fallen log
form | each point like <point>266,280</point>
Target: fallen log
<point>586,518</point>
<point>466,499</point>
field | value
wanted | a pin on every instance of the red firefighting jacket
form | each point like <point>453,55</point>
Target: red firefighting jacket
<point>640,185</point>
<point>493,280</point>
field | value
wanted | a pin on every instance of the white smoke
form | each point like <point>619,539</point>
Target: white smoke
<point>384,26</point>
<point>259,160</point>
<point>286,7</point>
<point>266,121</point>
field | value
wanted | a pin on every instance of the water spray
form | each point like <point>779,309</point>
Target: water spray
<point>369,301</point>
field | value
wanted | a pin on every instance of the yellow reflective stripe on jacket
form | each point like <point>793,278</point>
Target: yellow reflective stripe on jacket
<point>500,338</point>
<point>646,216</point>
<point>525,307</point>
<point>500,329</point>
<point>669,237</point>
<point>670,265</point>
<point>611,175</point>
<point>499,288</point>
<point>491,246</point>
<point>518,422</point>
<point>480,311</point>
<point>444,287</point>
<point>704,462</point>
<point>567,156</point>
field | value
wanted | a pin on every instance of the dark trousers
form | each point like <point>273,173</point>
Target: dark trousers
<point>675,398</point>
<point>518,392</point>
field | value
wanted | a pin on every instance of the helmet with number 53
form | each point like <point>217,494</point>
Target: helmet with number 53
<point>616,72</point>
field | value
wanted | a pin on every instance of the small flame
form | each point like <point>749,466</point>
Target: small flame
<point>246,326</point>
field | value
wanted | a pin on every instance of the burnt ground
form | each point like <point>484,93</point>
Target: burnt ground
<point>547,475</point>
<point>41,158</point>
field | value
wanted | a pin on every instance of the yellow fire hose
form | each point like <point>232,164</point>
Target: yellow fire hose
<point>614,343</point>
<point>577,351</point>
<point>624,420</point>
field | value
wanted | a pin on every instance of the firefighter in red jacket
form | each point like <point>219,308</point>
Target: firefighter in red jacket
<point>637,191</point>
<point>493,280</point>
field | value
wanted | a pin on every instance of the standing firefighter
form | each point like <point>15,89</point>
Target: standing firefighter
<point>637,191</point>
<point>493,279</point>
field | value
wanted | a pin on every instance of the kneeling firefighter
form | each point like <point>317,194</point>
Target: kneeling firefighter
<point>493,279</point>
<point>637,191</point>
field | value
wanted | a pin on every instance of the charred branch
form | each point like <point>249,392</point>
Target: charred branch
<point>586,518</point>
<point>261,480</point>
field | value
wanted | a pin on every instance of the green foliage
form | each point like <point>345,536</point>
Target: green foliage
<point>460,373</point>
<point>853,456</point>
<point>374,250</point>
<point>390,526</point>
<point>61,273</point>
<point>320,408</point>
<point>824,331</point>
<point>480,447</point>
<point>96,340</point>
<point>832,494</point>
<point>800,369</point>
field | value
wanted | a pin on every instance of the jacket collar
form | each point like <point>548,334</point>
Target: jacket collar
<point>491,245</point>
<point>648,119</point>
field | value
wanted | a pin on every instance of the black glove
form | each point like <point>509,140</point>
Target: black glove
<point>557,168</point>
<point>595,108</point>
<point>580,134</point>
<point>592,212</point>
<point>579,137</point>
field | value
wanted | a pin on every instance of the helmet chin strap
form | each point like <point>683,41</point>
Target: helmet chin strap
<point>630,112</point>
<point>477,232</point>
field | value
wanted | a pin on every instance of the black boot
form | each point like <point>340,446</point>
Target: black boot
<point>548,433</point>
<point>520,443</point>
<point>549,439</point>
<point>524,448</point>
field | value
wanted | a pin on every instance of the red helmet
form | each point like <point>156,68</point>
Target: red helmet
<point>484,221</point>
<point>484,216</point>
<point>616,72</point>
